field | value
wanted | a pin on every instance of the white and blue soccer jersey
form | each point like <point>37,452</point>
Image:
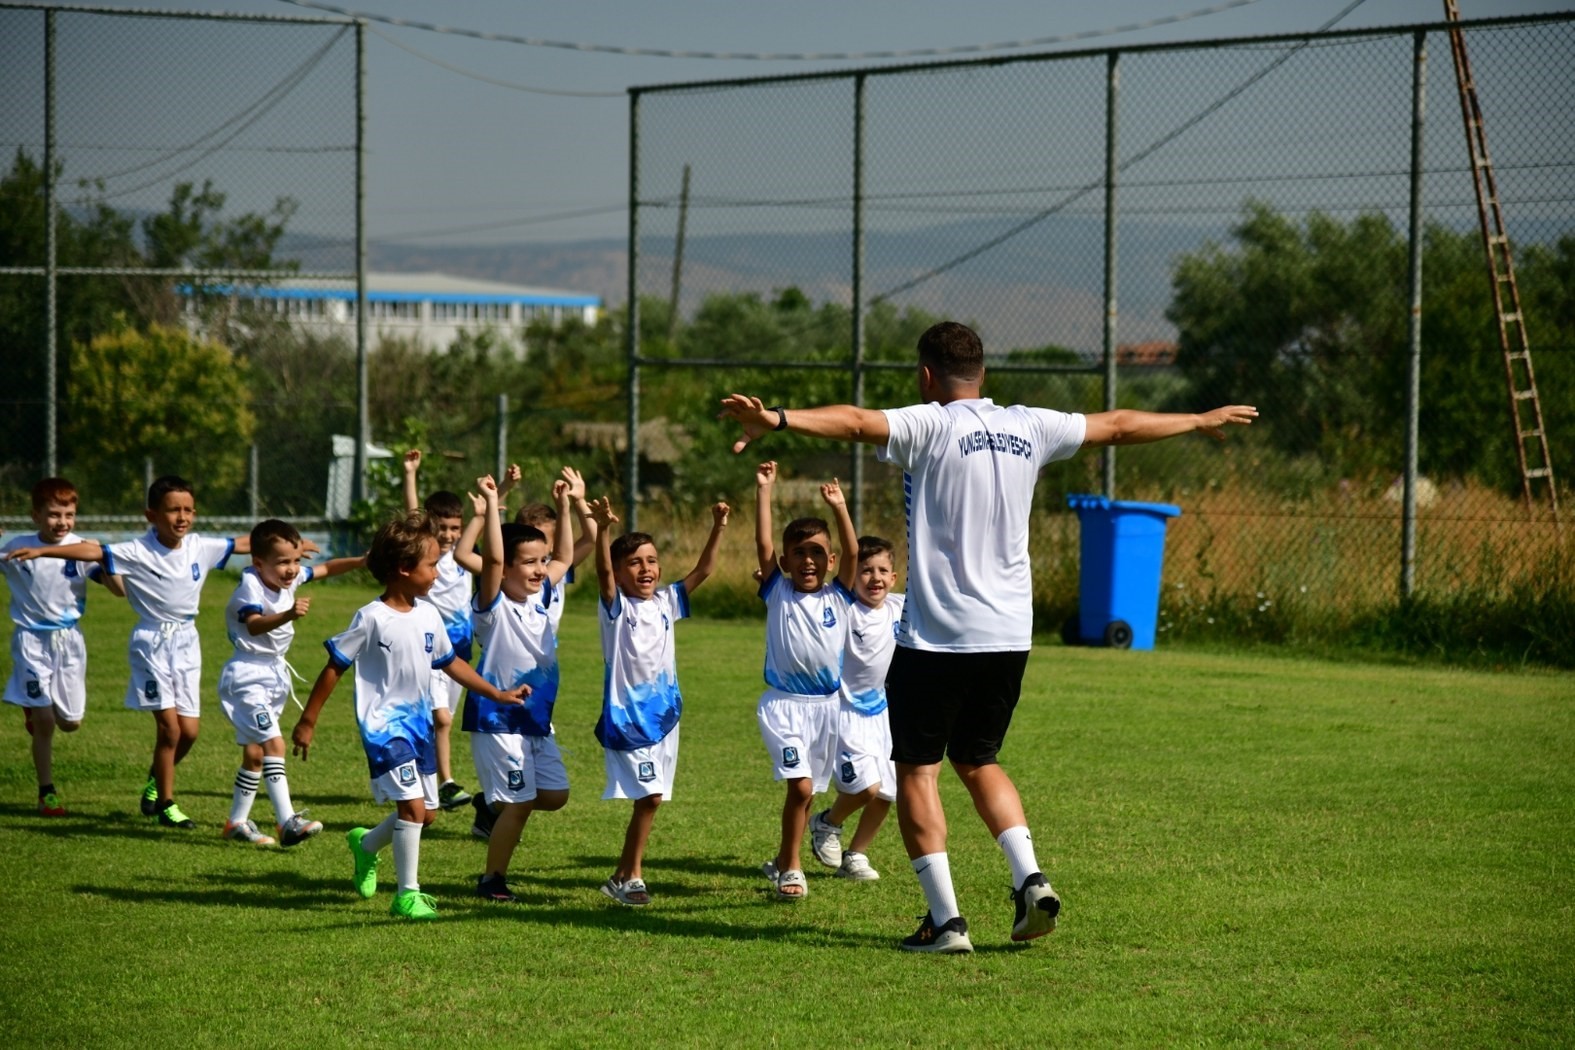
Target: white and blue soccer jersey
<point>394,654</point>
<point>450,595</point>
<point>805,635</point>
<point>164,584</point>
<point>252,595</point>
<point>47,594</point>
<point>640,698</point>
<point>872,638</point>
<point>519,645</point>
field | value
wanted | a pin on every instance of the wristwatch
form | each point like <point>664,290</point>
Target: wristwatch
<point>781,417</point>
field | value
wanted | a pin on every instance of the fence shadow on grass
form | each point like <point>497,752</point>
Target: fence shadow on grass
<point>274,890</point>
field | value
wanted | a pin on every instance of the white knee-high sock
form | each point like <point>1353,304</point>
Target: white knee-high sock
<point>278,789</point>
<point>935,878</point>
<point>407,854</point>
<point>381,835</point>
<point>245,794</point>
<point>1018,845</point>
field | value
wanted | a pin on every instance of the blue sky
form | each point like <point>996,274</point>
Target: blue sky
<point>450,152</point>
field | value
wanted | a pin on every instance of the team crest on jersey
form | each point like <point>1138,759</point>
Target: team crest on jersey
<point>34,690</point>
<point>151,689</point>
<point>790,757</point>
<point>645,772</point>
<point>196,572</point>
<point>828,618</point>
<point>263,720</point>
<point>847,773</point>
<point>71,570</point>
<point>516,779</point>
<point>407,774</point>
<point>429,641</point>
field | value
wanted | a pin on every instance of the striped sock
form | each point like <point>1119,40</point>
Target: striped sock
<point>246,784</point>
<point>278,789</point>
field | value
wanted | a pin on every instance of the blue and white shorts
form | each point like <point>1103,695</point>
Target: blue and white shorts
<point>49,668</point>
<point>644,771</point>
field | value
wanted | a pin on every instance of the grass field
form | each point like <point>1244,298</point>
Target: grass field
<point>1252,851</point>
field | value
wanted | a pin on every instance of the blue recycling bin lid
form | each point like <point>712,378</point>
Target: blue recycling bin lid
<point>1081,503</point>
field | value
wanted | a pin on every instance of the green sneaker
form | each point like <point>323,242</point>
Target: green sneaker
<point>150,798</point>
<point>365,863</point>
<point>172,817</point>
<point>413,904</point>
<point>49,805</point>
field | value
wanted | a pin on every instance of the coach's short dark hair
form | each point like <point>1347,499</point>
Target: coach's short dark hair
<point>444,504</point>
<point>869,546</point>
<point>162,487</point>
<point>399,544</point>
<point>628,543</point>
<point>514,535</point>
<point>266,533</point>
<point>803,528</point>
<point>952,351</point>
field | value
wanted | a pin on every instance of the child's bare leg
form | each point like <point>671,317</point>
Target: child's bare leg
<point>548,801</point>
<point>505,836</point>
<point>442,719</point>
<point>43,742</point>
<point>252,756</point>
<point>166,742</point>
<point>850,802</point>
<point>188,735</point>
<point>795,818</point>
<point>635,838</point>
<point>869,823</point>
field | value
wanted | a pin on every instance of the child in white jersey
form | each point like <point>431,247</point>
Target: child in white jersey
<point>517,609</point>
<point>450,594</point>
<point>806,631</point>
<point>163,572</point>
<point>255,681</point>
<point>865,775</point>
<point>395,643</point>
<point>48,659</point>
<point>641,702</point>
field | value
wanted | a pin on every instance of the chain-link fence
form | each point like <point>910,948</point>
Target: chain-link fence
<point>1217,222</point>
<point>161,169</point>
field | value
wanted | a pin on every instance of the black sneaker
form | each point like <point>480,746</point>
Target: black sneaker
<point>949,939</point>
<point>149,801</point>
<point>495,889</point>
<point>1037,907</point>
<point>481,827</point>
<point>451,795</point>
<point>172,817</point>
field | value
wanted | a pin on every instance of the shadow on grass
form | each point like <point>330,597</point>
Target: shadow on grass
<point>282,890</point>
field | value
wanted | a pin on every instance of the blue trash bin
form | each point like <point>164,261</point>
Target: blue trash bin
<point>1122,552</point>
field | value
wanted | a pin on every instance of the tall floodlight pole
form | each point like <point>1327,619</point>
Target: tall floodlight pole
<point>632,335</point>
<point>856,498</point>
<point>363,422</point>
<point>1107,455</point>
<point>1413,390</point>
<point>51,247</point>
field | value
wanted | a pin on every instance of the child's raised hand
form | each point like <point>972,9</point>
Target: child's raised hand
<point>766,473</point>
<point>575,482</point>
<point>511,477</point>
<point>308,547</point>
<point>602,512</point>
<point>719,513</point>
<point>478,504</point>
<point>302,605</point>
<point>489,490</point>
<point>412,461</point>
<point>831,491</point>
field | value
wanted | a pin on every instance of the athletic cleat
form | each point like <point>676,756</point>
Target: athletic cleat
<point>950,939</point>
<point>365,880</point>
<point>172,817</point>
<point>481,827</point>
<point>246,831</point>
<point>49,805</point>
<point>825,838</point>
<point>298,829</point>
<point>495,889</point>
<point>451,795</point>
<point>856,866</point>
<point>150,798</point>
<point>1037,907</point>
<point>413,904</point>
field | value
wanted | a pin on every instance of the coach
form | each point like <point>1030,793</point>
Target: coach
<point>962,645</point>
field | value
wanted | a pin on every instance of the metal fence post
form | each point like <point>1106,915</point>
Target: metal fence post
<point>51,219</point>
<point>1112,88</point>
<point>363,422</point>
<point>502,437</point>
<point>856,497</point>
<point>632,336</point>
<point>1413,391</point>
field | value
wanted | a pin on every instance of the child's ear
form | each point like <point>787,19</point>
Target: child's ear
<point>147,512</point>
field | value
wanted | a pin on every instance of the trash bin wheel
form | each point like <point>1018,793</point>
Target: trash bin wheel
<point>1118,634</point>
<point>1072,632</point>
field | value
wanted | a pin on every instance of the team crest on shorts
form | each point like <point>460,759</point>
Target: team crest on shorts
<point>263,720</point>
<point>407,774</point>
<point>516,779</point>
<point>151,689</point>
<point>645,772</point>
<point>790,757</point>
<point>34,690</point>
<point>429,641</point>
<point>847,773</point>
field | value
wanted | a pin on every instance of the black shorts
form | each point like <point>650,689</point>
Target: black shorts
<point>954,705</point>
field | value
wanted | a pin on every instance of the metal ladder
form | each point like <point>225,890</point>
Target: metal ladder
<point>1531,439</point>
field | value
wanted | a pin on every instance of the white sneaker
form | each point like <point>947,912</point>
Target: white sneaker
<point>246,831</point>
<point>825,838</point>
<point>856,866</point>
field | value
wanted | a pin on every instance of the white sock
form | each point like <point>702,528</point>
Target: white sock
<point>245,794</point>
<point>278,789</point>
<point>381,835</point>
<point>1018,845</point>
<point>935,878</point>
<point>407,854</point>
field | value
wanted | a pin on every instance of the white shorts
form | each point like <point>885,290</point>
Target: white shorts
<point>644,771</point>
<point>864,753</point>
<point>406,782</point>
<point>445,692</point>
<point>49,668</point>
<point>252,695</point>
<point>166,669</point>
<point>800,733</point>
<point>512,767</point>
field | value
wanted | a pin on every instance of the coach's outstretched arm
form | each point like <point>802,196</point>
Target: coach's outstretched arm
<point>838,422</point>
<point>1127,426</point>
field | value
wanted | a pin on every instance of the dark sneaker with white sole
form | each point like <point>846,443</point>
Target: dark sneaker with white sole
<point>451,795</point>
<point>950,938</point>
<point>495,889</point>
<point>1037,906</point>
<point>481,826</point>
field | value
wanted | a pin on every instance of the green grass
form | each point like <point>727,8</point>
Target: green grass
<point>1253,850</point>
